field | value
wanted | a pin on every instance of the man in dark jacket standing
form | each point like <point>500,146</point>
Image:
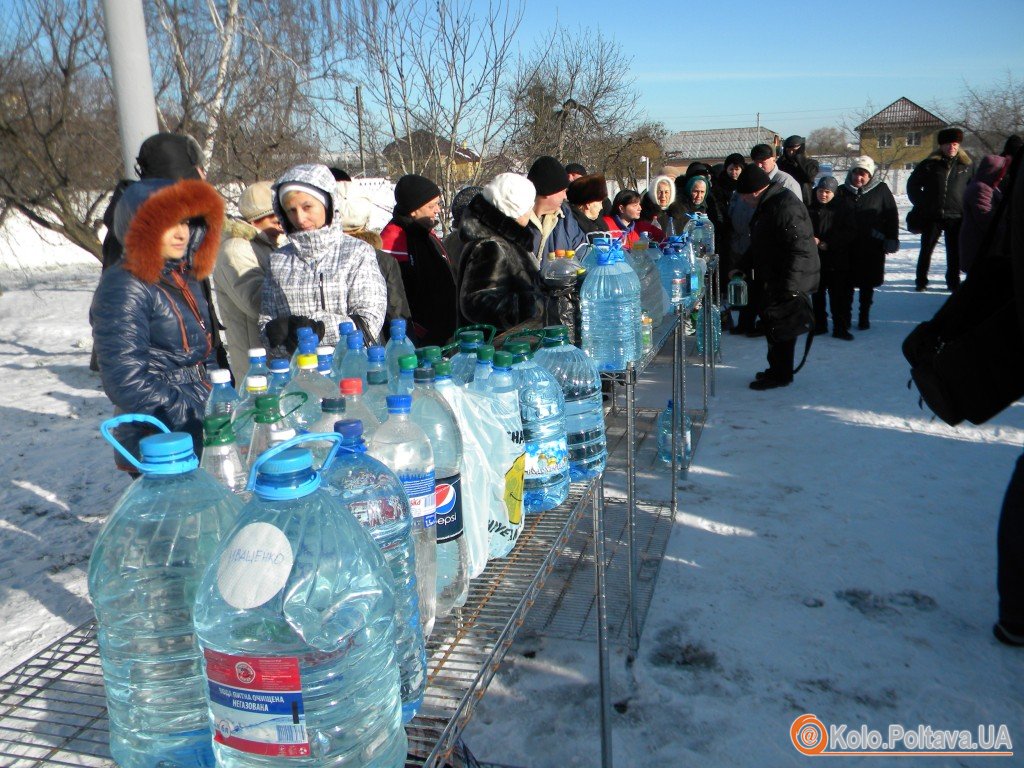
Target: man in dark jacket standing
<point>785,261</point>
<point>798,165</point>
<point>936,189</point>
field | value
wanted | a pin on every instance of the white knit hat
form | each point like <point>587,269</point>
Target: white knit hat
<point>510,193</point>
<point>354,207</point>
<point>865,163</point>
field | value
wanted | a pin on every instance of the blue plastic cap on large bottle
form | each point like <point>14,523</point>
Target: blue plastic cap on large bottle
<point>354,340</point>
<point>375,354</point>
<point>399,403</point>
<point>168,453</point>
<point>603,258</point>
<point>287,475</point>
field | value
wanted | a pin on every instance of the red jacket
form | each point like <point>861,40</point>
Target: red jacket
<point>616,229</point>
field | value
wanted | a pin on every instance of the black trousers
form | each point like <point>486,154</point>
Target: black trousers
<point>1010,544</point>
<point>780,359</point>
<point>837,285</point>
<point>929,238</point>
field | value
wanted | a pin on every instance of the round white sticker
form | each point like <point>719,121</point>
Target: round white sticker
<point>255,566</point>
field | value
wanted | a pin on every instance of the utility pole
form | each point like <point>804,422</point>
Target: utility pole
<point>133,78</point>
<point>359,124</point>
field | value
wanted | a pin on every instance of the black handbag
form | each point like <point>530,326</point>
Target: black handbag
<point>788,317</point>
<point>915,225</point>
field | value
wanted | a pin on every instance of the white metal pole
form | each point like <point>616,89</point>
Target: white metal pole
<point>133,78</point>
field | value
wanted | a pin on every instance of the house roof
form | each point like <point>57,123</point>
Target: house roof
<point>902,113</point>
<point>716,143</point>
<point>425,139</point>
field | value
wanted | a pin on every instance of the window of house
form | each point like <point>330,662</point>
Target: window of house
<point>914,139</point>
<point>884,140</point>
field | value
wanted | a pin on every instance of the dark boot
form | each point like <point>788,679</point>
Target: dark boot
<point>842,332</point>
<point>863,321</point>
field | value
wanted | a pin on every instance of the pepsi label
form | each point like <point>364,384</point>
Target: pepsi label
<point>449,508</point>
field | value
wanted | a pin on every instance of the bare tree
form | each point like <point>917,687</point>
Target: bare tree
<point>992,115</point>
<point>58,135</point>
<point>828,141</point>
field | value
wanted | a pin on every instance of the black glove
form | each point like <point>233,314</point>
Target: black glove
<point>277,331</point>
<point>300,321</point>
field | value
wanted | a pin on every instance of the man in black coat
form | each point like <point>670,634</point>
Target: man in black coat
<point>798,165</point>
<point>785,261</point>
<point>936,189</point>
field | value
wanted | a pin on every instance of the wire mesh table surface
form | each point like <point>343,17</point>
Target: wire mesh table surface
<point>53,708</point>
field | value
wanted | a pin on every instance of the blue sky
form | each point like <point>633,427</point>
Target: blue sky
<point>802,65</point>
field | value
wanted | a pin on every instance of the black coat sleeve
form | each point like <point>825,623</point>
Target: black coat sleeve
<point>496,287</point>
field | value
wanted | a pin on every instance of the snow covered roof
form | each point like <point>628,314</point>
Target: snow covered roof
<point>902,113</point>
<point>425,140</point>
<point>716,143</point>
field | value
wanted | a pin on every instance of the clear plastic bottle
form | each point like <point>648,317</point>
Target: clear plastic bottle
<point>542,408</point>
<point>702,234</point>
<point>737,293</point>
<point>308,342</point>
<point>221,456</point>
<point>376,497</point>
<point>716,330</point>
<point>432,413</point>
<point>652,294</point>
<point>324,360</point>
<point>404,382</point>
<point>145,567</point>
<point>664,426</point>
<point>295,620</point>
<point>258,362</point>
<point>580,383</point>
<point>356,361</point>
<point>676,265</point>
<point>377,391</point>
<point>341,348</point>
<point>223,399</point>
<point>464,361</point>
<point>255,385</point>
<point>356,406</point>
<point>316,387</point>
<point>399,344</point>
<point>268,420</point>
<point>280,375</point>
<point>332,410</point>
<point>405,449</point>
<point>484,365</point>
<point>610,302</point>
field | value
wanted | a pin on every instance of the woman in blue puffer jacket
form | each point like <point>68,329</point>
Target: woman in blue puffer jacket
<point>150,320</point>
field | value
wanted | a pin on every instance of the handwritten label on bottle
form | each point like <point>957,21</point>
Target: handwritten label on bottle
<point>255,566</point>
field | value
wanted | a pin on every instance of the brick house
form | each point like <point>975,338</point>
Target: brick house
<point>900,136</point>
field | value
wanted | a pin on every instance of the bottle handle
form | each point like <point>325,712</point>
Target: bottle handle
<point>294,393</point>
<point>129,418</point>
<point>270,453</point>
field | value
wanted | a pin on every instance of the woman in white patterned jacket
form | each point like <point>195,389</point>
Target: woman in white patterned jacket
<point>321,277</point>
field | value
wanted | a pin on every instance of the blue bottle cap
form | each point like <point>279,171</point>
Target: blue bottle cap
<point>170,453</point>
<point>350,429</point>
<point>332,405</point>
<point>398,327</point>
<point>287,462</point>
<point>354,340</point>
<point>278,366</point>
<point>603,258</point>
<point>376,354</point>
<point>399,403</point>
<point>345,328</point>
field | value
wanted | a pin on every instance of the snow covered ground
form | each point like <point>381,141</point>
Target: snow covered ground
<point>834,552</point>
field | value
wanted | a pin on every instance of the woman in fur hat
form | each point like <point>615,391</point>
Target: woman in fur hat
<point>149,316</point>
<point>586,201</point>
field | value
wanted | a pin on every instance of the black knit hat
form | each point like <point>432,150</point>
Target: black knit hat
<point>412,192</point>
<point>761,152</point>
<point>949,135</point>
<point>793,141</point>
<point>734,159</point>
<point>461,200</point>
<point>576,168</point>
<point>548,176</point>
<point>698,169</point>
<point>1012,146</point>
<point>752,179</point>
<point>169,156</point>
<point>587,189</point>
<point>831,183</point>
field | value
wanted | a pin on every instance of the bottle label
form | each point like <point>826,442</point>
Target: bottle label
<point>546,458</point>
<point>255,566</point>
<point>513,498</point>
<point>422,500</point>
<point>448,507</point>
<point>256,704</point>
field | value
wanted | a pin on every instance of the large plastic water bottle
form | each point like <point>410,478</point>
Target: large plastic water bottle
<point>610,302</point>
<point>375,496</point>
<point>464,361</point>
<point>145,567</point>
<point>221,457</point>
<point>280,375</point>
<point>702,233</point>
<point>316,387</point>
<point>356,406</point>
<point>295,620</point>
<point>653,299</point>
<point>664,427</point>
<point>376,391</point>
<point>676,266</point>
<point>403,447</point>
<point>483,367</point>
<point>341,348</point>
<point>716,329</point>
<point>542,408</point>
<point>332,410</point>
<point>223,399</point>
<point>405,381</point>
<point>580,382</point>
<point>398,344</point>
<point>432,413</point>
<point>356,361</point>
<point>258,362</point>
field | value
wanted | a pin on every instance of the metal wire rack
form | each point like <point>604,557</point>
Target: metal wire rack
<point>53,707</point>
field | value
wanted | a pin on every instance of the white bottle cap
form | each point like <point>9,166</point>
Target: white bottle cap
<point>220,376</point>
<point>280,435</point>
<point>257,352</point>
<point>324,351</point>
<point>255,383</point>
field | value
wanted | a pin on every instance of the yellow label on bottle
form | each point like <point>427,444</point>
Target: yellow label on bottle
<point>514,490</point>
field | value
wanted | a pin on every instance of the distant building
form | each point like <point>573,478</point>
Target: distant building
<point>900,136</point>
<point>714,145</point>
<point>427,148</point>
